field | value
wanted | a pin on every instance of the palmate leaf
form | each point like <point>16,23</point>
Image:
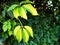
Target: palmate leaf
<point>18,33</point>
<point>22,13</point>
<point>30,9</point>
<point>25,35</point>
<point>29,30</point>
<point>12,7</point>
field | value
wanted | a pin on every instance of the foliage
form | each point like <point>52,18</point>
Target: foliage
<point>46,26</point>
<point>20,32</point>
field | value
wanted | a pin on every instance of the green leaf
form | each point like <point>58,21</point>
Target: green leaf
<point>13,23</point>
<point>22,13</point>
<point>30,9</point>
<point>25,36</point>
<point>59,0</point>
<point>29,30</point>
<point>10,32</point>
<point>9,24</point>
<point>18,33</point>
<point>5,27</point>
<point>16,13</point>
<point>12,7</point>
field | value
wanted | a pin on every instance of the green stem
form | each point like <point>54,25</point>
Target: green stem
<point>20,22</point>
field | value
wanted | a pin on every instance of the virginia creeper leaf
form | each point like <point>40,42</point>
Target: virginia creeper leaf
<point>29,30</point>
<point>18,33</point>
<point>16,13</point>
<point>25,36</point>
<point>30,9</point>
<point>22,13</point>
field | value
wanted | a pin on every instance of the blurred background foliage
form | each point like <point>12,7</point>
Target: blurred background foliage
<point>46,26</point>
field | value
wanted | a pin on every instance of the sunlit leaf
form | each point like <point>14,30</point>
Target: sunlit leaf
<point>18,33</point>
<point>12,7</point>
<point>22,13</point>
<point>59,0</point>
<point>30,9</point>
<point>16,13</point>
<point>25,36</point>
<point>29,30</point>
